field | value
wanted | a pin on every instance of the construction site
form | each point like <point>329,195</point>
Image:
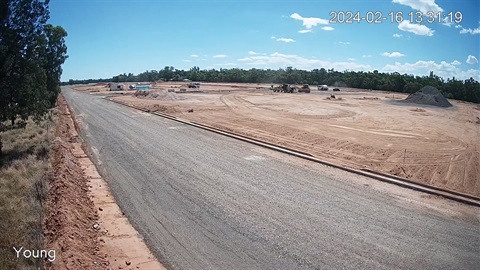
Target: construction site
<point>360,129</point>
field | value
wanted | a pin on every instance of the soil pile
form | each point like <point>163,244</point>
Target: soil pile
<point>68,225</point>
<point>428,95</point>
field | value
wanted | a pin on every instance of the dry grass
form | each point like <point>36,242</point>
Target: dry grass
<point>24,171</point>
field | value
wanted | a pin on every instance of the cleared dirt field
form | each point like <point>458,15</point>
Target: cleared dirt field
<point>359,129</point>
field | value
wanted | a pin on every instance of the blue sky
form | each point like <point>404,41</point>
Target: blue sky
<point>109,37</point>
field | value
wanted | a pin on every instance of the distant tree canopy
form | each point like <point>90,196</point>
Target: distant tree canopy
<point>467,90</point>
<point>31,55</point>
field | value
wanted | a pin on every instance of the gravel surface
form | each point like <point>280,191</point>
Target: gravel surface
<point>358,129</point>
<point>428,95</point>
<point>204,201</point>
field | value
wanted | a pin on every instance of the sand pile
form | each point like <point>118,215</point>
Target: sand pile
<point>428,95</point>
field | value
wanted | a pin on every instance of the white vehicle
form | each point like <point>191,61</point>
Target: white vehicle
<point>322,87</point>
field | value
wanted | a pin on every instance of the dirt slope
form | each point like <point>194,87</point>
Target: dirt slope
<point>70,216</point>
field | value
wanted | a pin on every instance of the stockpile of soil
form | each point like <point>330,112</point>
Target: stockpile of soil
<point>428,95</point>
<point>68,225</point>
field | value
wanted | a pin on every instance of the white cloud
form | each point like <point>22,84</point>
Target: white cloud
<point>351,59</point>
<point>194,55</point>
<point>366,55</point>
<point>186,61</point>
<point>471,60</point>
<point>393,54</point>
<point>220,56</point>
<point>276,60</point>
<point>305,31</point>
<point>397,35</point>
<point>422,5</point>
<point>255,53</point>
<point>458,26</point>
<point>447,22</point>
<point>328,28</point>
<point>417,29</point>
<point>442,69</point>
<point>474,31</point>
<point>286,40</point>
<point>344,43</point>
<point>309,22</point>
<point>456,63</point>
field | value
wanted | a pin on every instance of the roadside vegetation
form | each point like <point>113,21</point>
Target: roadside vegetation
<point>31,54</point>
<point>25,168</point>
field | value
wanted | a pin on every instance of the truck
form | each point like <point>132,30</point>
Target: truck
<point>194,85</point>
<point>322,88</point>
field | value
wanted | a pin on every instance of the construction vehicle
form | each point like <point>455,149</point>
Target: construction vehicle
<point>304,89</point>
<point>322,88</point>
<point>194,85</point>
<point>285,88</point>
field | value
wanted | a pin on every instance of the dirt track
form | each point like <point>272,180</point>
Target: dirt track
<point>361,129</point>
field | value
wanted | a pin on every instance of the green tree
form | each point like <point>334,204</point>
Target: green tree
<point>472,90</point>
<point>31,55</point>
<point>467,90</point>
<point>55,55</point>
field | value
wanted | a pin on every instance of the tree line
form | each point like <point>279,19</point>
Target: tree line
<point>466,90</point>
<point>31,54</point>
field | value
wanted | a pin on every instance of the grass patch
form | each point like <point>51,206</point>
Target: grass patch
<point>24,172</point>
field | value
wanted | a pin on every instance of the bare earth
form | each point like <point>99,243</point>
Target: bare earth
<point>84,224</point>
<point>70,212</point>
<point>359,129</point>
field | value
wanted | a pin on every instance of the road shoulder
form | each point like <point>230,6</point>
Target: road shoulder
<point>84,223</point>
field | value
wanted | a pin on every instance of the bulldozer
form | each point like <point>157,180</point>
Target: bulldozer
<point>304,89</point>
<point>284,88</point>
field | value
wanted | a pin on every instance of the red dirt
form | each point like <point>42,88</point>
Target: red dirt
<point>83,237</point>
<point>68,225</point>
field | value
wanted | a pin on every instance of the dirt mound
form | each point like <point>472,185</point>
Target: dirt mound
<point>161,108</point>
<point>71,214</point>
<point>428,95</point>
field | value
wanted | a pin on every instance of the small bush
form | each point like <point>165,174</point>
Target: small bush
<point>42,152</point>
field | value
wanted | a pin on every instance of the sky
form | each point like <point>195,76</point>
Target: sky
<point>111,37</point>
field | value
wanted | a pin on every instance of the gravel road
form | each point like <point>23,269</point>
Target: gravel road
<point>205,201</point>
